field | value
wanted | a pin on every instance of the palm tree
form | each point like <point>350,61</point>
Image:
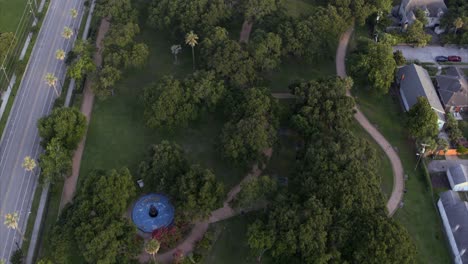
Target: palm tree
<point>67,32</point>
<point>60,54</point>
<point>51,80</point>
<point>191,40</point>
<point>11,221</point>
<point>28,163</point>
<point>73,13</point>
<point>458,23</point>
<point>152,247</point>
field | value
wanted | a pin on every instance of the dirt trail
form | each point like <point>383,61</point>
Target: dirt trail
<point>398,180</point>
<point>69,187</point>
<point>245,32</point>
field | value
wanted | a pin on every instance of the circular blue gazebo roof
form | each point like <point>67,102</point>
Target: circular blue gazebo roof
<point>141,212</point>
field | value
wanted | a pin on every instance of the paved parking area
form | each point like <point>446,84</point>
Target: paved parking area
<point>428,53</point>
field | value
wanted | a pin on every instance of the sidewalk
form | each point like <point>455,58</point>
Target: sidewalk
<point>86,108</point>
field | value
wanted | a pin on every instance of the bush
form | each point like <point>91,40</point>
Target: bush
<point>17,257</point>
<point>399,58</point>
<point>462,150</point>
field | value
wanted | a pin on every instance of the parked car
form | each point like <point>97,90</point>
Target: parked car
<point>454,58</point>
<point>441,59</point>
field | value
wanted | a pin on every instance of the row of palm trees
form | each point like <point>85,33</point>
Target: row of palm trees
<point>29,164</point>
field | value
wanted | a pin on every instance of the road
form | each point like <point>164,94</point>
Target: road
<point>398,180</point>
<point>428,53</point>
<point>33,101</point>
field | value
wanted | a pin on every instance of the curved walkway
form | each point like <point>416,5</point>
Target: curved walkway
<point>398,180</point>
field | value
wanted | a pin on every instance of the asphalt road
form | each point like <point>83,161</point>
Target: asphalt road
<point>428,53</point>
<point>33,101</point>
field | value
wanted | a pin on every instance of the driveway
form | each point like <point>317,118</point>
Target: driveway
<point>443,165</point>
<point>428,53</point>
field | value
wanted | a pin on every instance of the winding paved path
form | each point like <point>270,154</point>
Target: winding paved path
<point>398,180</point>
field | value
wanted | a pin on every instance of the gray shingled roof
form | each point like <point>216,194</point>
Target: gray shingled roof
<point>433,6</point>
<point>453,88</point>
<point>416,83</point>
<point>459,173</point>
<point>457,214</point>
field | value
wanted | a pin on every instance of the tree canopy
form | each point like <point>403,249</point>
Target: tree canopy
<point>94,222</point>
<point>422,120</point>
<point>252,126</point>
<point>172,103</point>
<point>55,162</point>
<point>194,190</point>
<point>67,125</point>
<point>377,65</point>
<point>361,9</point>
<point>265,49</point>
<point>184,16</point>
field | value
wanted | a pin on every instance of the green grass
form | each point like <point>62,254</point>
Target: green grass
<point>118,135</point>
<point>292,70</point>
<point>418,215</point>
<point>230,246</point>
<point>298,7</point>
<point>10,14</point>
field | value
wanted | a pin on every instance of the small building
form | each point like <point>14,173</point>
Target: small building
<point>453,91</point>
<point>433,9</point>
<point>458,177</point>
<point>414,81</point>
<point>454,214</point>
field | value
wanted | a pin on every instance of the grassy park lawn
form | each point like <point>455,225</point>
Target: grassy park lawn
<point>418,214</point>
<point>10,14</point>
<point>118,135</point>
<point>230,245</point>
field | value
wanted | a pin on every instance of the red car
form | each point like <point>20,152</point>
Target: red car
<point>454,58</point>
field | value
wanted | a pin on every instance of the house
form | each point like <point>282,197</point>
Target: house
<point>454,214</point>
<point>414,81</point>
<point>458,177</point>
<point>434,10</point>
<point>453,91</point>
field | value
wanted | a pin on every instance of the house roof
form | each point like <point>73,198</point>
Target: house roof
<point>453,88</point>
<point>433,6</point>
<point>415,82</point>
<point>459,173</point>
<point>457,214</point>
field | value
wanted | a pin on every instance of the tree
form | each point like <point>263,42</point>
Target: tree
<point>265,49</point>
<point>152,248</point>
<point>416,35</point>
<point>191,39</point>
<point>165,164</point>
<point>422,120</point>
<point>80,67</point>
<point>458,23</point>
<point>252,126</point>
<point>198,193</point>
<point>361,10</point>
<point>421,16</point>
<point>116,11</point>
<point>105,81</point>
<point>11,222</point>
<point>254,190</point>
<point>257,9</point>
<point>100,231</point>
<point>173,103</point>
<point>322,106</point>
<point>227,58</point>
<point>51,80</point>
<point>379,65</point>
<point>442,144</point>
<point>73,12</point>
<point>67,125</point>
<point>29,164</point>
<point>60,54</point>
<point>17,257</point>
<point>400,60</point>
<point>55,162</point>
<point>175,49</point>
<point>139,55</point>
<point>182,16</point>
<point>455,134</point>
<point>67,32</point>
